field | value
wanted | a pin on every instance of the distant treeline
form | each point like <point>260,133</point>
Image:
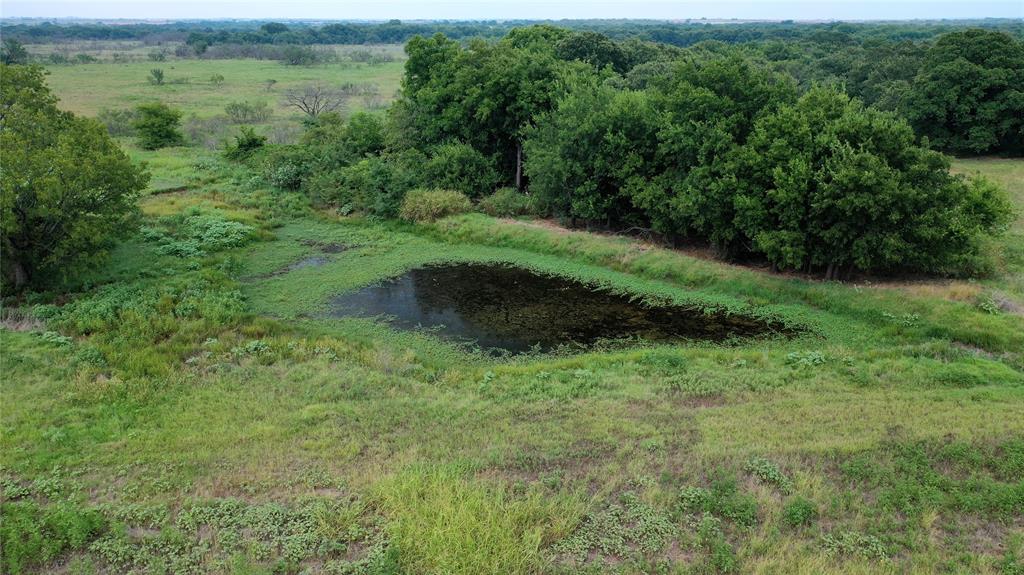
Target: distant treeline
<point>206,33</point>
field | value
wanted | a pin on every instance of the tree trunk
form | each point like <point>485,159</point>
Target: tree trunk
<point>19,275</point>
<point>830,273</point>
<point>519,166</point>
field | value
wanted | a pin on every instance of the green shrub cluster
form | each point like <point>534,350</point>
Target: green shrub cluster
<point>507,203</point>
<point>422,205</point>
<point>246,143</point>
<point>32,535</point>
<point>723,499</point>
<point>157,125</point>
<point>194,233</point>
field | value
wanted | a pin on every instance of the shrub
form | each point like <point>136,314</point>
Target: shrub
<point>799,512</point>
<point>507,203</point>
<point>158,56</point>
<point>428,205</point>
<point>376,185</point>
<point>33,535</point>
<point>210,133</point>
<point>286,167</point>
<point>460,167</point>
<point>294,55</point>
<point>118,122</point>
<point>156,77</point>
<point>722,500</point>
<point>217,79</point>
<point>246,113</point>
<point>247,142</point>
<point>769,473</point>
<point>157,126</point>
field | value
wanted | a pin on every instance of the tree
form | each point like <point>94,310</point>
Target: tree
<point>593,48</point>
<point>589,157</point>
<point>274,28</point>
<point>12,52</point>
<point>157,126</point>
<point>485,96</point>
<point>67,189</point>
<point>969,94</point>
<point>457,166</point>
<point>710,106</point>
<point>315,99</point>
<point>827,183</point>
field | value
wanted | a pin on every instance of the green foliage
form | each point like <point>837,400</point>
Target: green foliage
<point>66,189</point>
<point>768,473</point>
<point>156,77</point>
<point>628,528</point>
<point>375,185</point>
<point>286,167</point>
<point>507,203</point>
<point>158,126</point>
<point>858,193</point>
<point>967,96</point>
<point>32,535</point>
<point>248,113</point>
<point>854,543</point>
<point>587,158</point>
<point>247,143</point>
<point>457,166</point>
<point>118,122</point>
<point>908,477</point>
<point>483,96</point>
<point>799,512</point>
<point>427,205</point>
<point>299,56</point>
<point>723,500</point>
<point>13,52</point>
<point>194,233</point>
<point>593,48</point>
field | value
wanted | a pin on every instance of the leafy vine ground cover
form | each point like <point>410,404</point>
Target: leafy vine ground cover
<point>189,409</point>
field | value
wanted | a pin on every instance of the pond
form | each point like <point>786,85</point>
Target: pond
<point>506,308</point>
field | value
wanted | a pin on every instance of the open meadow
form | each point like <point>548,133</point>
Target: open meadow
<point>191,405</point>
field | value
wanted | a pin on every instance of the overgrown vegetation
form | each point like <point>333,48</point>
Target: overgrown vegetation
<point>187,405</point>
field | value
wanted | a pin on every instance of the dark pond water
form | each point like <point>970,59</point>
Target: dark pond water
<point>514,309</point>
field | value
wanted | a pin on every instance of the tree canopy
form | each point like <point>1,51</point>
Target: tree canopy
<point>67,188</point>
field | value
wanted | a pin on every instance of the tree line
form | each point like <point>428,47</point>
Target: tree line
<point>761,152</point>
<point>395,31</point>
<point>712,143</point>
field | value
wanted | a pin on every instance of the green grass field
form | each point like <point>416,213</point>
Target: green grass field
<point>185,412</point>
<point>89,88</point>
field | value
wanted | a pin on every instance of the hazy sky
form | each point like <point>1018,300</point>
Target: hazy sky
<point>510,9</point>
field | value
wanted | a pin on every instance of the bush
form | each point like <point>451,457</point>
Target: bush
<point>507,203</point>
<point>33,535</point>
<point>157,126</point>
<point>211,133</point>
<point>428,205</point>
<point>246,113</point>
<point>294,55</point>
<point>376,185</point>
<point>286,167</point>
<point>460,167</point>
<point>247,142</point>
<point>799,512</point>
<point>156,77</point>
<point>118,122</point>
